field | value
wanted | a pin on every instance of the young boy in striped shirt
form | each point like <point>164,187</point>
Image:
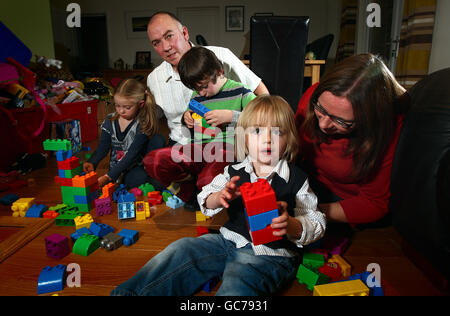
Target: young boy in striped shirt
<point>194,165</point>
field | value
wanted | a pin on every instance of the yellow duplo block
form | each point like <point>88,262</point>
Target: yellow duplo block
<point>195,116</point>
<point>21,206</point>
<point>83,221</point>
<point>346,268</point>
<point>344,288</point>
<point>200,217</point>
<point>142,210</point>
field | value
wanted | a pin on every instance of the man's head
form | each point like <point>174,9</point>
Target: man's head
<point>168,37</point>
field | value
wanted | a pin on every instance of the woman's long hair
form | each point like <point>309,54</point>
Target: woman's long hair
<point>373,91</point>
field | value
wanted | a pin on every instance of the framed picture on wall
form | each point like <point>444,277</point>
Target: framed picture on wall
<point>143,60</point>
<point>234,18</point>
<point>136,23</point>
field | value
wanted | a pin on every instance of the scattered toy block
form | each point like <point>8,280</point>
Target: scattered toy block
<point>314,260</point>
<point>331,270</point>
<point>111,241</point>
<point>8,199</point>
<point>108,190</point>
<point>129,236</point>
<point>211,284</point>
<point>142,210</point>
<point>100,229</point>
<point>83,221</point>
<point>200,217</point>
<point>174,202</point>
<point>344,288</point>
<point>310,277</point>
<point>57,246</point>
<point>146,188</point>
<point>346,268</point>
<point>154,198</point>
<point>80,232</point>
<point>103,206</point>
<point>86,244</point>
<point>136,192</point>
<point>126,210</point>
<point>201,230</point>
<point>374,290</point>
<point>21,206</point>
<point>36,210</point>
<point>51,279</point>
<point>335,244</point>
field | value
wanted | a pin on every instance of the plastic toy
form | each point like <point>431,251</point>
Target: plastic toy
<point>51,279</point>
<point>200,217</point>
<point>126,210</point>
<point>331,270</point>
<point>142,210</point>
<point>310,277</point>
<point>344,288</point>
<point>83,221</point>
<point>313,260</point>
<point>20,206</point>
<point>100,230</point>
<point>198,108</point>
<point>57,246</point>
<point>154,198</point>
<point>111,241</point>
<point>373,290</point>
<point>36,210</point>
<point>136,192</point>
<point>85,245</point>
<point>108,190</point>
<point>103,206</point>
<point>201,230</point>
<point>346,268</point>
<point>57,144</point>
<point>8,199</point>
<point>174,202</point>
<point>146,188</point>
<point>80,232</point>
<point>129,236</point>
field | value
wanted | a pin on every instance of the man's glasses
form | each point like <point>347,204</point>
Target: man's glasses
<point>341,122</point>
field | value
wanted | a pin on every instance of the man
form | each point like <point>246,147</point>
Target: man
<point>170,39</point>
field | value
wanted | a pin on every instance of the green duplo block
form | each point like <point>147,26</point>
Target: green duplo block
<point>86,244</point>
<point>314,260</point>
<point>73,172</point>
<point>67,216</point>
<point>310,277</point>
<point>57,144</point>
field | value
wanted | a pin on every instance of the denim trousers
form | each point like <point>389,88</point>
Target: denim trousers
<point>188,263</point>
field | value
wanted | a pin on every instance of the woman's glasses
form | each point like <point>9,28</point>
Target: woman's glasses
<point>337,120</point>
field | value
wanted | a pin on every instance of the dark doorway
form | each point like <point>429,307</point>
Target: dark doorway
<point>93,45</point>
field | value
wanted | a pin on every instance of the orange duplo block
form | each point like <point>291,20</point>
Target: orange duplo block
<point>107,190</point>
<point>86,180</point>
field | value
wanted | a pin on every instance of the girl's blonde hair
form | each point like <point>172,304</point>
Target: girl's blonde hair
<point>133,89</point>
<point>267,110</point>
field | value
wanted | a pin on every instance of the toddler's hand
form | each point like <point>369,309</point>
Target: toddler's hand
<point>230,192</point>
<point>280,223</point>
<point>188,119</point>
<point>88,167</point>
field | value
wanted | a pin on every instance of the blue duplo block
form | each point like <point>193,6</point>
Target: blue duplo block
<point>261,221</point>
<point>100,230</point>
<point>198,108</point>
<point>79,232</point>
<point>8,199</point>
<point>129,236</point>
<point>36,210</point>
<point>51,279</point>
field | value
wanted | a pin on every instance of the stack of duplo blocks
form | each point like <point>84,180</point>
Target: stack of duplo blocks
<point>76,190</point>
<point>261,207</point>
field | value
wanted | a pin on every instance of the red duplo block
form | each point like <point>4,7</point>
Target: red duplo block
<point>65,182</point>
<point>69,164</point>
<point>264,236</point>
<point>258,197</point>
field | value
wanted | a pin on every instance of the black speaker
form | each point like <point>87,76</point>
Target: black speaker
<point>277,54</point>
<point>420,179</point>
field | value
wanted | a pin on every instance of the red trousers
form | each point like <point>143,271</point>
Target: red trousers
<point>201,161</point>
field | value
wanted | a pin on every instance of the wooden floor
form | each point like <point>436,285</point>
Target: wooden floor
<point>103,270</point>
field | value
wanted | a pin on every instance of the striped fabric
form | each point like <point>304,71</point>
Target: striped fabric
<point>346,46</point>
<point>415,41</point>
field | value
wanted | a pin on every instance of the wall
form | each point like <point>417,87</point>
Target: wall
<point>30,21</point>
<point>324,14</point>
<point>440,51</point>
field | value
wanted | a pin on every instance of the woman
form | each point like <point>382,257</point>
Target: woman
<point>349,124</point>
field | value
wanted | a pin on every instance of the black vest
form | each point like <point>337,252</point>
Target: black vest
<point>283,192</point>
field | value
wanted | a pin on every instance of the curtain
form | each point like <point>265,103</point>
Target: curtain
<point>346,45</point>
<point>415,41</point>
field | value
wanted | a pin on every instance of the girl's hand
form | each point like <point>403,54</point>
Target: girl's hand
<point>230,192</point>
<point>103,180</point>
<point>88,167</point>
<point>285,224</point>
<point>188,119</point>
<point>218,117</point>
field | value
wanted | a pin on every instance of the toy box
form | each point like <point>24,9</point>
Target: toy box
<point>67,129</point>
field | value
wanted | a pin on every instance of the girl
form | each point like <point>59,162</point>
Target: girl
<point>269,147</point>
<point>129,133</point>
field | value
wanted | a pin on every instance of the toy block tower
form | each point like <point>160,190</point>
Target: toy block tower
<point>261,207</point>
<point>76,190</point>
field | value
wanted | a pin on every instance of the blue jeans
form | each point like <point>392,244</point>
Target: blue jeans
<point>188,263</point>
